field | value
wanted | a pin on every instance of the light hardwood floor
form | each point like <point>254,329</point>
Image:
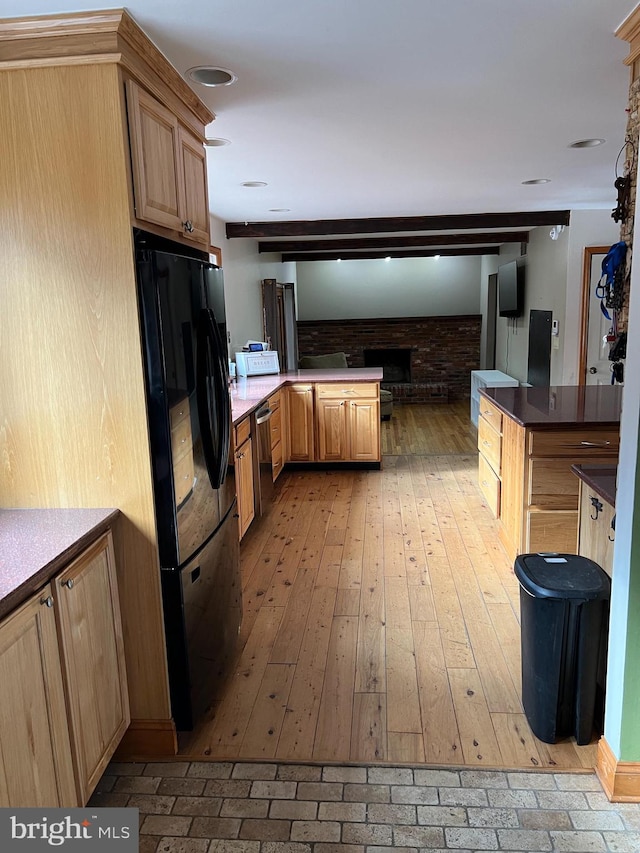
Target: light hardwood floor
<point>381,618</point>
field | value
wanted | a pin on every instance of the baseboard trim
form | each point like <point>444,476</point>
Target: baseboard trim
<point>620,779</point>
<point>148,740</point>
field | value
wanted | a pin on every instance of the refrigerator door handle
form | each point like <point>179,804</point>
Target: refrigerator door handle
<point>210,371</point>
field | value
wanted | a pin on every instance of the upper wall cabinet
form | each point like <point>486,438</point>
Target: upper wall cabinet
<point>169,168</point>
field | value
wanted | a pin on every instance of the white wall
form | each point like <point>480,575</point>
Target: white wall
<point>244,268</point>
<point>402,287</point>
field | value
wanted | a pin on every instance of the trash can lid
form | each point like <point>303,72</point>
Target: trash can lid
<point>549,575</point>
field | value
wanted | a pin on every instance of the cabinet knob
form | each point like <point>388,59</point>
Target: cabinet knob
<point>68,583</point>
<point>48,601</point>
<point>188,226</point>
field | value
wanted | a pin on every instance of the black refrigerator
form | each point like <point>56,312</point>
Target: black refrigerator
<point>189,414</point>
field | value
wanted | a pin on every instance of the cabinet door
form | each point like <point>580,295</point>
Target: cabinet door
<point>596,531</point>
<point>194,180</point>
<point>332,423</point>
<point>155,157</point>
<point>92,651</point>
<point>300,444</point>
<point>244,486</point>
<point>35,753</point>
<point>364,430</point>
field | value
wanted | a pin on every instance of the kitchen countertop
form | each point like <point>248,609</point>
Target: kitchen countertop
<point>599,478</point>
<point>37,543</point>
<point>559,406</point>
<point>248,392</point>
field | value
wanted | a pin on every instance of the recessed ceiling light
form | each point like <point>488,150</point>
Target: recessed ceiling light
<point>279,209</point>
<point>587,143</point>
<point>211,75</point>
<point>338,260</point>
<point>536,181</point>
<point>254,183</point>
<point>216,142</point>
<point>436,257</point>
<point>388,258</point>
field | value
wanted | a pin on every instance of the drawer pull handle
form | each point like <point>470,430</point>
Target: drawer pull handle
<point>594,444</point>
<point>597,506</point>
<point>487,443</point>
<point>484,483</point>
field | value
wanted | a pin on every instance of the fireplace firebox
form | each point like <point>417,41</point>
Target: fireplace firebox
<point>395,363</point>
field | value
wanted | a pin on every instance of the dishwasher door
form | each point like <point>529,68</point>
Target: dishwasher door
<point>265,467</point>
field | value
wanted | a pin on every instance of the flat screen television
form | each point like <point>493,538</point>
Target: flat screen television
<point>511,290</point>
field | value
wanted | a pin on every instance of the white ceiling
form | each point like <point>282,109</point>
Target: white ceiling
<point>368,108</point>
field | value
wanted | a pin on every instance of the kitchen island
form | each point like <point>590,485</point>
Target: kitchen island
<point>528,440</point>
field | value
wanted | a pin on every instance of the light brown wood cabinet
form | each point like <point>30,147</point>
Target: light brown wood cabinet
<point>597,528</point>
<point>300,431</point>
<point>490,453</point>
<point>275,431</point>
<point>65,704</point>
<point>169,168</point>
<point>347,422</point>
<point>539,491</point>
<point>245,483</point>
<point>35,753</point>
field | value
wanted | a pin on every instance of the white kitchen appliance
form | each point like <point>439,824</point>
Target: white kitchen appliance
<point>257,363</point>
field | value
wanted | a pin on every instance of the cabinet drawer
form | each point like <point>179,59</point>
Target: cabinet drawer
<point>342,391</point>
<point>489,484</point>
<point>489,444</point>
<point>178,413</point>
<point>242,432</point>
<point>274,402</point>
<point>183,477</point>
<point>581,444</point>
<point>552,483</point>
<point>491,413</point>
<point>552,530</point>
<point>275,427</point>
<point>276,460</point>
<point>181,438</point>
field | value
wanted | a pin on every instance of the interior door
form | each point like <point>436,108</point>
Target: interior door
<point>598,367</point>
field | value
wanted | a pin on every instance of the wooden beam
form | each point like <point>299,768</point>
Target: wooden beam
<point>485,237</point>
<point>303,228</point>
<point>398,253</point>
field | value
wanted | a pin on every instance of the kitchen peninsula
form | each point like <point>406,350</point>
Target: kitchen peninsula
<point>528,440</point>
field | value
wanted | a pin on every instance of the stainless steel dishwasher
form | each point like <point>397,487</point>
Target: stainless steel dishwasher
<point>265,479</point>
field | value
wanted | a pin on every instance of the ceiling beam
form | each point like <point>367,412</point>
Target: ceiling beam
<point>397,253</point>
<point>463,239</point>
<point>304,228</point>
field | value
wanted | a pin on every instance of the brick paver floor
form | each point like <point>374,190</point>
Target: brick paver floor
<point>224,807</point>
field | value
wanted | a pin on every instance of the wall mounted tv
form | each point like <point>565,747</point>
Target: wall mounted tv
<point>511,289</point>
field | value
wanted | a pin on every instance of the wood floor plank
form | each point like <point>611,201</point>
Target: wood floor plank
<point>442,744</point>
<point>283,578</point>
<point>477,735</point>
<point>351,564</point>
<point>403,705</point>
<point>453,632</point>
<point>286,646</point>
<point>333,732</point>
<point>329,569</point>
<point>518,746</point>
<point>264,725</point>
<point>397,607</point>
<point>369,728</point>
<point>347,602</point>
<point>405,748</point>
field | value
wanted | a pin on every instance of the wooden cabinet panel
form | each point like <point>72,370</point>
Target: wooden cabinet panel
<point>551,530</point>
<point>245,485</point>
<point>489,444</point>
<point>596,529</point>
<point>582,444</point>
<point>332,426</point>
<point>364,430</point>
<point>194,182</point>
<point>489,485</point>
<point>93,660</point>
<point>35,751</point>
<point>275,427</point>
<point>242,431</point>
<point>300,443</point>
<point>153,131</point>
<point>276,460</point>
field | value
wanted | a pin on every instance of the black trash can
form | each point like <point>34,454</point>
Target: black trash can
<point>564,607</point>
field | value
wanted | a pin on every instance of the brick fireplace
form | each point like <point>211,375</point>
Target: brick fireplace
<point>427,358</point>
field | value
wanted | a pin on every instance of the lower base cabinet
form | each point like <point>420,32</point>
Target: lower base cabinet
<point>64,705</point>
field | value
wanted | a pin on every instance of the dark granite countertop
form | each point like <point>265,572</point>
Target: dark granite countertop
<point>35,544</point>
<point>600,478</point>
<point>559,406</point>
